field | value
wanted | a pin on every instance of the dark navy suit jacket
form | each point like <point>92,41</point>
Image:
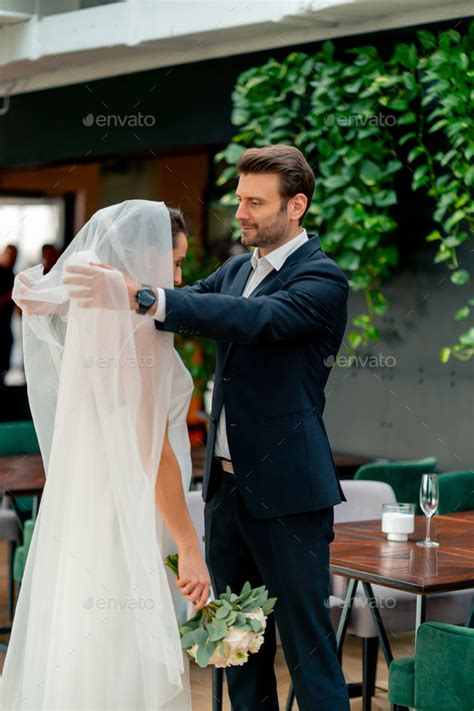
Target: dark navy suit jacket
<point>271,374</point>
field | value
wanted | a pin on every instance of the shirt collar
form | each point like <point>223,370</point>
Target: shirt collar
<point>277,257</point>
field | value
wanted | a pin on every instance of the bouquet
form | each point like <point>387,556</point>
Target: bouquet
<point>227,630</point>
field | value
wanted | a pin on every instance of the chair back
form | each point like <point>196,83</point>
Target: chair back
<point>403,477</point>
<point>18,438</point>
<point>364,500</point>
<point>456,492</point>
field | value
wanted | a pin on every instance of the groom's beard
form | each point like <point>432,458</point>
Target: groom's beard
<point>267,235</point>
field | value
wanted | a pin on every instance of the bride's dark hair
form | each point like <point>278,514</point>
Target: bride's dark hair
<point>177,223</point>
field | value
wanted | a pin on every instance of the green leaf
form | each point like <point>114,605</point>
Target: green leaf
<point>385,198</point>
<point>434,236</point>
<point>427,39</point>
<point>233,152</point>
<point>216,630</point>
<point>460,277</point>
<point>362,320</point>
<point>407,118</point>
<point>407,137</point>
<point>438,125</point>
<point>256,625</point>
<point>268,605</point>
<point>349,261</point>
<point>406,55</point>
<point>415,152</point>
<point>454,219</point>
<point>370,172</point>
<point>187,640</point>
<point>335,181</point>
<point>355,339</point>
<point>462,313</point>
<point>467,338</point>
<point>200,635</point>
<point>444,354</point>
<point>204,653</point>
<point>246,588</point>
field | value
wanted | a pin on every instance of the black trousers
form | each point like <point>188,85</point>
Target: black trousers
<point>290,555</point>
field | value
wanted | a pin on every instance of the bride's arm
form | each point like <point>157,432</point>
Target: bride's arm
<point>193,581</point>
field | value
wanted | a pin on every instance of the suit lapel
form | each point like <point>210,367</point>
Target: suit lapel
<point>238,285</point>
<point>271,281</point>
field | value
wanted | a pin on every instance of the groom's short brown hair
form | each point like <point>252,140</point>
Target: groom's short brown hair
<point>296,175</point>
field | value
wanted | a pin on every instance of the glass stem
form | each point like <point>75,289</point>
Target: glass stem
<point>428,522</point>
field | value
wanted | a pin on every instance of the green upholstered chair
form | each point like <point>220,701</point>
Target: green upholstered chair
<point>403,477</point>
<point>456,492</point>
<point>16,438</point>
<point>440,675</point>
<point>19,438</point>
<point>21,552</point>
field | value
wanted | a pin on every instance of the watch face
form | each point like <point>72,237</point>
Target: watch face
<point>146,297</point>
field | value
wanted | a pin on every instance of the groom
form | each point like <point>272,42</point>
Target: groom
<point>270,483</point>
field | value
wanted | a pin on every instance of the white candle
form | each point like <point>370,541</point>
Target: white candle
<point>397,525</point>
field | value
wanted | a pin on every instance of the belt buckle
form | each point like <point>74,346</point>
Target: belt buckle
<point>226,465</point>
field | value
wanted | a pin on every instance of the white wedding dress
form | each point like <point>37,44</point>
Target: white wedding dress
<point>95,626</point>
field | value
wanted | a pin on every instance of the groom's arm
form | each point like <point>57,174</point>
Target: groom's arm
<point>202,286</point>
<point>308,305</point>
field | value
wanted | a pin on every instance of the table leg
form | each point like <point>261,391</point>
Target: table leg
<point>378,622</point>
<point>217,688</point>
<point>17,511</point>
<point>345,615</point>
<point>470,616</point>
<point>420,610</point>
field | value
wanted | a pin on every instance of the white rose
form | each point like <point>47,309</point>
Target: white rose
<point>192,651</point>
<point>238,640</point>
<point>256,644</point>
<point>219,660</point>
<point>238,659</point>
<point>258,615</point>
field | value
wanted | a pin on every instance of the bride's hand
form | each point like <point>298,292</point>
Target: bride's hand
<point>193,581</point>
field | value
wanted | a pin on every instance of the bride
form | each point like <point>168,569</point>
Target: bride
<point>95,626</point>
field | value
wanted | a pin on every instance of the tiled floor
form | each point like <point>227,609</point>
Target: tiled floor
<point>201,678</point>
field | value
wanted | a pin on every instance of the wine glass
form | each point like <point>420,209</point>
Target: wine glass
<point>429,498</point>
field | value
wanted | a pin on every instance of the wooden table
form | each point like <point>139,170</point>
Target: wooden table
<point>361,552</point>
<point>21,475</point>
<point>346,464</point>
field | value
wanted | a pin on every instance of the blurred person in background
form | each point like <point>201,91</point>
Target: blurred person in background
<point>7,262</point>
<point>49,256</point>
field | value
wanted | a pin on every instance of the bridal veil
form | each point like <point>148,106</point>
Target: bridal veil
<point>95,626</point>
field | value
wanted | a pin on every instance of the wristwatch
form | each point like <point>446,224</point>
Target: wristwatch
<point>145,298</point>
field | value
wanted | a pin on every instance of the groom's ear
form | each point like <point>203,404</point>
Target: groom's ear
<point>297,206</point>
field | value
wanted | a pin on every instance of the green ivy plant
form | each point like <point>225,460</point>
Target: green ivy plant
<point>352,116</point>
<point>445,88</point>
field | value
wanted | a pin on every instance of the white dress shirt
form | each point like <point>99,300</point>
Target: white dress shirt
<point>262,266</point>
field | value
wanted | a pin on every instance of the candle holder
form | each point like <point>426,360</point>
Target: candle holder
<point>398,520</point>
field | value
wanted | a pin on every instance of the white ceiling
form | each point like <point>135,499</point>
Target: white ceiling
<point>125,37</point>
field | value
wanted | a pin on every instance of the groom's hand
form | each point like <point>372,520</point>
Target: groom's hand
<point>90,282</point>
